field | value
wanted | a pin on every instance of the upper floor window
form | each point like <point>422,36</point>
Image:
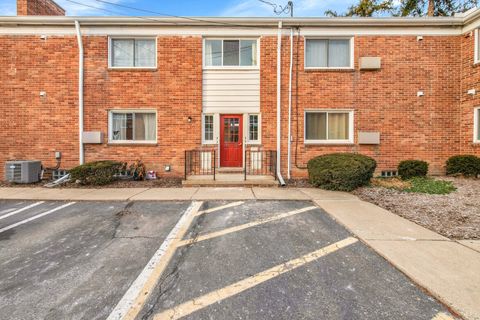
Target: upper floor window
<point>328,53</point>
<point>335,126</point>
<point>133,53</point>
<point>132,126</point>
<point>230,53</point>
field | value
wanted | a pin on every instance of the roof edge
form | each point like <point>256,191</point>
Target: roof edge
<point>458,20</point>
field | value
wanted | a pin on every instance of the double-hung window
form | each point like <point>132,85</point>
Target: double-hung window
<point>132,126</point>
<point>334,126</point>
<point>208,129</point>
<point>133,53</point>
<point>328,53</point>
<point>231,53</point>
<point>253,128</point>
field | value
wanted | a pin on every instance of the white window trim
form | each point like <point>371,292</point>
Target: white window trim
<point>215,127</point>
<point>110,52</point>
<point>476,125</point>
<point>476,54</point>
<point>351,123</point>
<point>352,54</point>
<point>259,140</point>
<point>110,138</point>
<point>256,67</point>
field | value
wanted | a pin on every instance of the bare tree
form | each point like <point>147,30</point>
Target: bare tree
<point>431,8</point>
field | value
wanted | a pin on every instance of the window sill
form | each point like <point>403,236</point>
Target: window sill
<point>230,68</point>
<point>133,69</point>
<point>133,144</point>
<point>329,69</point>
<point>329,144</point>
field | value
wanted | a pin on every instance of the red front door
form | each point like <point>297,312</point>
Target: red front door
<point>231,149</point>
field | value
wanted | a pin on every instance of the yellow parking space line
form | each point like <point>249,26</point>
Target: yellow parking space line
<point>442,316</point>
<point>229,205</point>
<point>243,226</point>
<point>201,302</point>
<point>134,299</point>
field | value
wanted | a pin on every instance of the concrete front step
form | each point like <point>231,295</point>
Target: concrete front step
<point>229,170</point>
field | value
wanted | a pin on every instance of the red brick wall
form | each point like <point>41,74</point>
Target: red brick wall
<point>34,127</point>
<point>385,101</point>
<point>431,128</point>
<point>39,8</point>
<point>470,79</point>
<point>174,90</point>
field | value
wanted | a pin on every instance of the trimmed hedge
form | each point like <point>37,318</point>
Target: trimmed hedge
<point>96,173</point>
<point>412,168</point>
<point>467,165</point>
<point>341,171</point>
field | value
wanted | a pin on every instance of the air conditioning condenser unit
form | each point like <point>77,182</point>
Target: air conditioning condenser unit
<point>23,171</point>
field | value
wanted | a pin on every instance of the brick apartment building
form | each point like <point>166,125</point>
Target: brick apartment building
<point>153,88</point>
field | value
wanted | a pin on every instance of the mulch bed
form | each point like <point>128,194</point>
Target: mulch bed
<point>455,215</point>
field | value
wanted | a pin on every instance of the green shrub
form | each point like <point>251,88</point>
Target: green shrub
<point>430,186</point>
<point>96,173</point>
<point>341,171</point>
<point>412,168</point>
<point>467,165</point>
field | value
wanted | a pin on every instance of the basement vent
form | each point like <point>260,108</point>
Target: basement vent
<point>57,174</point>
<point>389,173</point>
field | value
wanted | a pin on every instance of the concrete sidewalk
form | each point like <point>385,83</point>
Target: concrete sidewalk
<point>151,194</point>
<point>449,270</point>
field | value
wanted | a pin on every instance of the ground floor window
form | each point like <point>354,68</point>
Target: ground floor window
<point>328,126</point>
<point>254,128</point>
<point>126,126</point>
<point>476,126</point>
<point>208,129</point>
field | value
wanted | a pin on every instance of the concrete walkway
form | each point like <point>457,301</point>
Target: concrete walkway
<point>449,270</point>
<point>139,194</point>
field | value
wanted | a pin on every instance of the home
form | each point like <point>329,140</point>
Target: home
<point>255,95</point>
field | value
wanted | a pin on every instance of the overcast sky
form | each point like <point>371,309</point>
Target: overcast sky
<point>227,8</point>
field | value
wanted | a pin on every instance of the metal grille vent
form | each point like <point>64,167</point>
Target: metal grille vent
<point>14,172</point>
<point>389,173</point>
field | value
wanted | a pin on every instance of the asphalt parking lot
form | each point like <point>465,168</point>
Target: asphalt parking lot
<point>194,260</point>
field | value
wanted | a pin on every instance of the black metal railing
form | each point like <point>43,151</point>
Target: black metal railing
<point>260,163</point>
<point>200,162</point>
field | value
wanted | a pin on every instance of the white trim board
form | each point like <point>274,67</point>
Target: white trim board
<point>475,125</point>
<point>226,31</point>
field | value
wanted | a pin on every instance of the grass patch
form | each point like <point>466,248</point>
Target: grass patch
<point>391,183</point>
<point>415,185</point>
<point>430,186</point>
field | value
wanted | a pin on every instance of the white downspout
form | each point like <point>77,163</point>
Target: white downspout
<point>289,161</point>
<point>279,102</point>
<point>80,93</point>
